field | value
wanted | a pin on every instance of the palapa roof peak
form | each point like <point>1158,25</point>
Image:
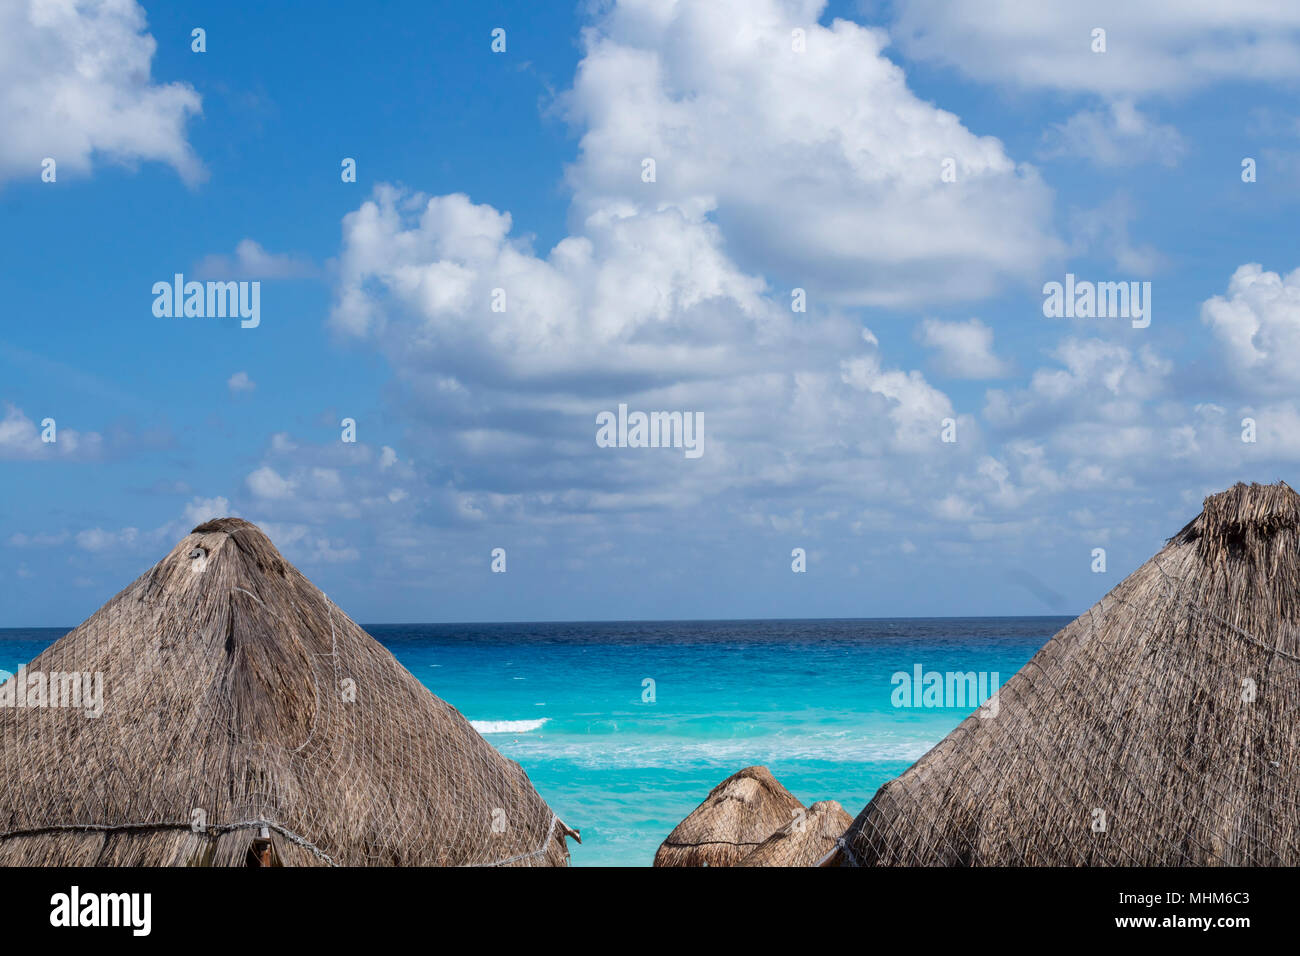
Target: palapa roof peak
<point>246,719</point>
<point>805,840</point>
<point>1242,519</point>
<point>736,816</point>
<point>227,525</point>
<point>1161,727</point>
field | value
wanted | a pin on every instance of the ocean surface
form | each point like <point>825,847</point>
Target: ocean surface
<point>624,760</point>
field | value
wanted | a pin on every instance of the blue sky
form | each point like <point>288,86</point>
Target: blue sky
<point>776,169</point>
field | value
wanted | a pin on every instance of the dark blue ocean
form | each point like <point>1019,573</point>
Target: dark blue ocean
<point>623,760</point>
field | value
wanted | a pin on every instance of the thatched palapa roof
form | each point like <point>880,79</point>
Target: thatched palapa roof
<point>246,720</point>
<point>805,840</point>
<point>1159,728</point>
<point>736,816</point>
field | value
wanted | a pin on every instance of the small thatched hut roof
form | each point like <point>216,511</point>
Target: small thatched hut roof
<point>246,720</point>
<point>736,816</point>
<point>1162,727</point>
<point>805,840</point>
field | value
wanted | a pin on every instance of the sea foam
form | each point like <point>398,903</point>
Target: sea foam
<point>507,726</point>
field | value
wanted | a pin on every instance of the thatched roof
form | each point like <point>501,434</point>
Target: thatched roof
<point>805,840</point>
<point>736,816</point>
<point>246,718</point>
<point>1159,728</point>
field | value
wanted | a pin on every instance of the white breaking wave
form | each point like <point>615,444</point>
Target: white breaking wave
<point>507,726</point>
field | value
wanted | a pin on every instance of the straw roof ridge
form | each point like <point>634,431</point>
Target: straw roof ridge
<point>736,817</point>
<point>250,539</point>
<point>240,709</point>
<point>803,841</point>
<point>228,525</point>
<point>1159,728</point>
<point>1243,519</point>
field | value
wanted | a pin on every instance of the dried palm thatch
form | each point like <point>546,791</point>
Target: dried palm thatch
<point>736,816</point>
<point>247,721</point>
<point>805,840</point>
<point>1159,728</point>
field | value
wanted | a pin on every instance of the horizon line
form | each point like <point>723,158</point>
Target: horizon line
<point>673,620</point>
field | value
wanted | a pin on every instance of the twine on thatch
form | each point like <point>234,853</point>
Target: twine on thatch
<point>213,830</point>
<point>241,707</point>
<point>805,840</point>
<point>1160,728</point>
<point>736,816</point>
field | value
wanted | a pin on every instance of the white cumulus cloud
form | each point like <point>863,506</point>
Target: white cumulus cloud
<point>1258,325</point>
<point>75,84</point>
<point>822,166</point>
<point>1153,46</point>
<point>22,439</point>
<point>963,349</point>
<point>266,482</point>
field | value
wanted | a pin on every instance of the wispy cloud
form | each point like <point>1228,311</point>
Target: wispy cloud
<point>251,261</point>
<point>240,384</point>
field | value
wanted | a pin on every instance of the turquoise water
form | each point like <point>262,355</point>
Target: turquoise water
<point>812,700</point>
